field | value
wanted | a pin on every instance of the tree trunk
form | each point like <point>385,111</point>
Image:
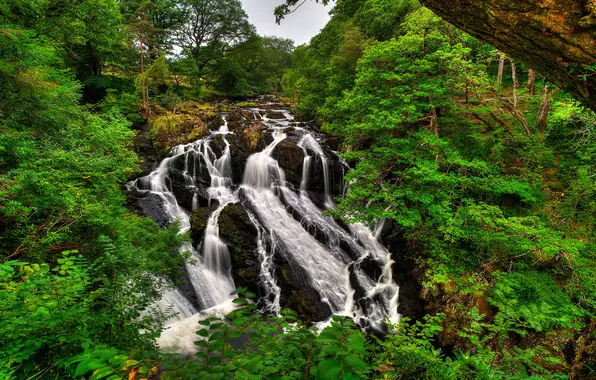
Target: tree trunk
<point>555,38</point>
<point>434,119</point>
<point>531,82</point>
<point>515,84</point>
<point>542,119</point>
<point>501,69</point>
<point>508,104</point>
<point>143,84</point>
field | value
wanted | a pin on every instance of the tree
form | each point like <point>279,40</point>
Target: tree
<point>525,32</point>
<point>210,27</point>
<point>145,34</point>
<point>163,15</point>
<point>531,34</point>
<point>253,67</point>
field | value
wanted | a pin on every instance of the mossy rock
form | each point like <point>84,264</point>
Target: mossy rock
<point>198,223</point>
<point>170,130</point>
<point>240,235</point>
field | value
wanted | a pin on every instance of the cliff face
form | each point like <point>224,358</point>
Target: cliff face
<point>557,38</point>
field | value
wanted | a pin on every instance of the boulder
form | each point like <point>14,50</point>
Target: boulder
<point>151,205</point>
<point>240,235</point>
<point>198,223</point>
<point>276,115</point>
<point>298,294</point>
<point>290,158</point>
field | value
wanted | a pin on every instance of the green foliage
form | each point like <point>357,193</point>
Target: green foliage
<point>77,269</point>
<point>44,307</point>
<point>253,67</point>
<point>466,179</point>
<point>109,364</point>
<point>532,301</point>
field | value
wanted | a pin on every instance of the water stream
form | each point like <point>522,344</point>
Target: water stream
<point>290,227</point>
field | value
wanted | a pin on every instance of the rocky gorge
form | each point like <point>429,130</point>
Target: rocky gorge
<point>252,191</point>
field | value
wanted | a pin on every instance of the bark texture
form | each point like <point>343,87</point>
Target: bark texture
<point>557,38</point>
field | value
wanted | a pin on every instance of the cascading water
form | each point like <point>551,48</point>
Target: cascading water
<point>290,227</point>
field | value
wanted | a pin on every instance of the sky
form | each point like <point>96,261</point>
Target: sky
<point>299,26</point>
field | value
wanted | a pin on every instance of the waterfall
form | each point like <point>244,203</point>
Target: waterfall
<point>325,255</point>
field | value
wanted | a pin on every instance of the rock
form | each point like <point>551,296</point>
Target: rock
<point>198,223</point>
<point>316,181</point>
<point>151,205</point>
<point>187,290</point>
<point>238,232</point>
<point>277,115</point>
<point>239,117</point>
<point>298,294</point>
<point>146,152</point>
<point>406,273</point>
<point>290,157</point>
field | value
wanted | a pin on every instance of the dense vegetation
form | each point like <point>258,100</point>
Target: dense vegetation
<point>484,172</point>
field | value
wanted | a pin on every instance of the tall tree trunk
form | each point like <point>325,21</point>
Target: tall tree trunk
<point>547,97</point>
<point>434,119</point>
<point>515,85</point>
<point>531,81</point>
<point>143,84</point>
<point>501,69</point>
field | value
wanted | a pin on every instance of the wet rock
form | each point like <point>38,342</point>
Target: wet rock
<point>298,294</point>
<point>238,232</point>
<point>252,135</point>
<point>317,175</point>
<point>276,115</point>
<point>186,193</point>
<point>332,142</point>
<point>187,290</point>
<point>238,118</point>
<point>146,152</point>
<point>151,205</point>
<point>290,158</point>
<point>198,223</point>
<point>406,273</point>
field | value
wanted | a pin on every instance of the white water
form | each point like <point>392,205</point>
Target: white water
<point>288,223</point>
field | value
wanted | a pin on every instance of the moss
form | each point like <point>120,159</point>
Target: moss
<point>187,123</point>
<point>251,136</point>
<point>247,104</point>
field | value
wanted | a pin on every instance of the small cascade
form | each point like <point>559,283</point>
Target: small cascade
<point>308,141</point>
<point>271,294</point>
<point>321,253</point>
<point>208,275</point>
<point>305,172</point>
<point>262,171</point>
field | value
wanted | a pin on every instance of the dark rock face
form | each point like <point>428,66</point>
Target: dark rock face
<point>198,223</point>
<point>405,274</point>
<point>239,234</point>
<point>275,115</point>
<point>551,37</point>
<point>148,204</point>
<point>146,152</point>
<point>289,156</point>
<point>298,294</point>
<point>187,290</point>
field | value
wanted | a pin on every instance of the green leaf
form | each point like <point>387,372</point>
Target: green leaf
<point>329,369</point>
<point>355,361</point>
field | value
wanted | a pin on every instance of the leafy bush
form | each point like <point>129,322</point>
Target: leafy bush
<point>531,300</point>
